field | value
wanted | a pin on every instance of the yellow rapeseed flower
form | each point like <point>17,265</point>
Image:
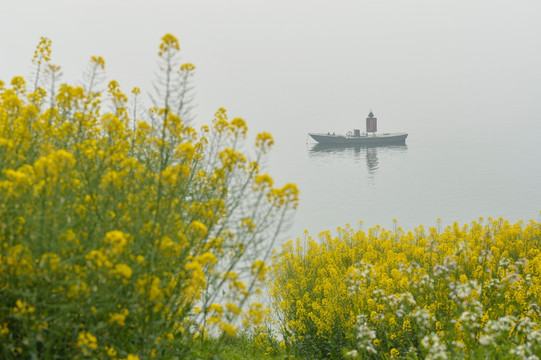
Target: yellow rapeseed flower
<point>216,308</point>
<point>123,270</point>
<point>228,329</point>
<point>118,318</point>
<point>264,141</point>
<point>169,43</point>
<point>98,60</point>
<point>22,308</point>
<point>198,227</point>
<point>86,341</point>
<point>187,67</point>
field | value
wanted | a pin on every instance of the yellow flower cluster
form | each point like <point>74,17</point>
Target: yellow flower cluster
<point>169,43</point>
<point>43,51</point>
<point>187,67</point>
<point>468,291</point>
<point>87,342</point>
<point>115,228</point>
<point>264,141</point>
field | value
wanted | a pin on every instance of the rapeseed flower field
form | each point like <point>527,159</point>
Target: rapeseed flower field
<point>470,292</point>
<point>125,233</point>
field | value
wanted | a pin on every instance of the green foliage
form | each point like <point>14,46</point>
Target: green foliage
<point>126,237</point>
<point>241,347</point>
<point>461,293</point>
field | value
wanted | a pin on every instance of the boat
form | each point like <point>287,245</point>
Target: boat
<point>356,138</point>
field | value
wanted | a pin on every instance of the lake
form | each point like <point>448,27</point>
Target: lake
<point>452,169</point>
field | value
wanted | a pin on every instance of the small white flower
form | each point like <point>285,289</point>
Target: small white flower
<point>436,349</point>
<point>352,354</point>
<point>486,340</point>
<point>422,317</point>
<point>365,335</point>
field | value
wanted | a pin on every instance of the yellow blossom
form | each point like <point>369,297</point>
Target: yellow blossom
<point>98,60</point>
<point>169,43</point>
<point>22,308</point>
<point>111,352</point>
<point>217,308</point>
<point>86,341</point>
<point>187,67</point>
<point>228,329</point>
<point>199,227</point>
<point>118,318</point>
<point>264,141</point>
<point>123,270</point>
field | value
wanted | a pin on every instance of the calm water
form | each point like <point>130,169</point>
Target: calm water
<point>441,172</point>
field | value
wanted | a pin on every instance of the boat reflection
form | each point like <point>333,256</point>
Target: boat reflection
<point>369,152</point>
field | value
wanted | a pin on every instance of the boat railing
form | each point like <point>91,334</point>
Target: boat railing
<point>351,134</point>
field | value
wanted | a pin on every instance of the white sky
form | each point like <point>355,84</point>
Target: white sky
<point>301,64</point>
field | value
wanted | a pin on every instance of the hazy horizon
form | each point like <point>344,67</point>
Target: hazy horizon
<point>273,62</point>
<point>434,69</point>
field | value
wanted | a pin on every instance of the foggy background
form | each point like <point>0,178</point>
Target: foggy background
<point>285,64</point>
<point>464,68</point>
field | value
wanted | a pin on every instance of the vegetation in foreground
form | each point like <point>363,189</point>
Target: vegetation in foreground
<point>126,233</point>
<point>470,292</point>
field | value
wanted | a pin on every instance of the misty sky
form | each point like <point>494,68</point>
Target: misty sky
<point>304,64</point>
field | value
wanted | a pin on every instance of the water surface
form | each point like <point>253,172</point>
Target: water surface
<point>441,172</point>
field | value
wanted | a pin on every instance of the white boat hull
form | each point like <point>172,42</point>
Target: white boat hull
<point>341,140</point>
